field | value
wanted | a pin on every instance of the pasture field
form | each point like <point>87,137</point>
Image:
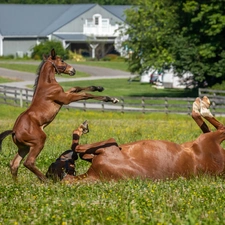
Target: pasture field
<point>30,68</point>
<point>26,65</point>
<point>198,200</point>
<point>124,88</point>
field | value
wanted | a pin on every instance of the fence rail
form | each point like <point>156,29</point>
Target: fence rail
<point>22,97</point>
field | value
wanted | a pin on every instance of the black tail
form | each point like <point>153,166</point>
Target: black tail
<point>3,135</point>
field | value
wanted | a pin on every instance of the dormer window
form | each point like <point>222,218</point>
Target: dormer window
<point>97,18</point>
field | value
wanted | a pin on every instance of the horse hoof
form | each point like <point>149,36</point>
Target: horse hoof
<point>196,105</point>
<point>115,100</point>
<point>204,107</point>
<point>85,127</point>
<point>100,89</point>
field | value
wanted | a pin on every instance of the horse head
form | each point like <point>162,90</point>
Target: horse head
<point>59,64</point>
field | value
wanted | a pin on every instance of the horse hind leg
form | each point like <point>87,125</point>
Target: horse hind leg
<point>15,163</point>
<point>30,163</point>
<point>197,116</point>
<point>35,150</point>
<point>206,114</point>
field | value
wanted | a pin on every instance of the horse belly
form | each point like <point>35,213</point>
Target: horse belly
<point>45,114</point>
<point>160,160</point>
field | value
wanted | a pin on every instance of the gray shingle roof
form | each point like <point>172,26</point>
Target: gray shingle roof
<point>72,37</point>
<point>41,20</point>
<point>117,10</point>
<point>37,20</point>
<point>27,20</point>
<point>68,15</point>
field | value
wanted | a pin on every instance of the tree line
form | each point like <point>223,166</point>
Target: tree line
<point>100,2</point>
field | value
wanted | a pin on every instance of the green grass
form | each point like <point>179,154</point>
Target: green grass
<point>20,67</point>
<point>113,87</point>
<point>30,68</point>
<point>5,80</point>
<point>31,65</point>
<point>107,64</point>
<point>122,87</point>
<point>195,201</point>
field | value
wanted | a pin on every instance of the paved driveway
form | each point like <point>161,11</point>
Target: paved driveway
<point>22,79</point>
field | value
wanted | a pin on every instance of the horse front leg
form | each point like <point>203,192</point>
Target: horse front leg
<point>80,89</point>
<point>92,148</point>
<point>73,97</point>
<point>88,151</point>
<point>82,129</point>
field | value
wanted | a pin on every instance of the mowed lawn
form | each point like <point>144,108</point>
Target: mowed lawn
<point>199,200</point>
<point>113,87</point>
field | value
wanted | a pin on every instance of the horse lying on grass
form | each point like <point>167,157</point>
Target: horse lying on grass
<point>155,159</point>
<point>48,98</point>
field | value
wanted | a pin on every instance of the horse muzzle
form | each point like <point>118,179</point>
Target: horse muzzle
<point>72,72</point>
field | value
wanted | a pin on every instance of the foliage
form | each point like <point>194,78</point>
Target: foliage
<point>100,2</point>
<point>185,34</point>
<point>194,201</point>
<point>76,57</point>
<point>148,38</point>
<point>45,48</point>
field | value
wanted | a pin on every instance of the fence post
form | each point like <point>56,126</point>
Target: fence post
<point>122,105</point>
<point>4,94</point>
<point>21,98</point>
<point>143,104</point>
<point>15,96</point>
<point>102,106</point>
<point>189,106</point>
<point>85,105</point>
<point>27,97</point>
<point>166,105</point>
<point>214,107</point>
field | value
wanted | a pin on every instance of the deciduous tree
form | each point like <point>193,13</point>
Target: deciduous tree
<point>189,35</point>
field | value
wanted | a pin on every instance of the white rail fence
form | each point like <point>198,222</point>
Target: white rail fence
<point>22,97</point>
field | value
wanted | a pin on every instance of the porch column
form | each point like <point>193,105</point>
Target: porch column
<point>93,47</point>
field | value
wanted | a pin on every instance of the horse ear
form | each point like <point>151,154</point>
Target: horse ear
<point>53,55</point>
<point>44,57</point>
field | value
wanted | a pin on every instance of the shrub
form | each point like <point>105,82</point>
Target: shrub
<point>45,48</point>
<point>113,57</point>
<point>76,57</point>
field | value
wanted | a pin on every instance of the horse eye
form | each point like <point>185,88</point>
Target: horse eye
<point>62,60</point>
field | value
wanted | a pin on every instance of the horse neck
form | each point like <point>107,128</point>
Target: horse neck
<point>47,74</point>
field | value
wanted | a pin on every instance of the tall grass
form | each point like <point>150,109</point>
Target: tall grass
<point>195,201</point>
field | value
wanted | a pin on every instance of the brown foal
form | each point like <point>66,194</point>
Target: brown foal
<point>48,98</point>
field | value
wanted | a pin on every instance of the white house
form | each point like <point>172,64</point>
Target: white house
<point>81,27</point>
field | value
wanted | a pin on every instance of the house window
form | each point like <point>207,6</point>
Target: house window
<point>96,20</point>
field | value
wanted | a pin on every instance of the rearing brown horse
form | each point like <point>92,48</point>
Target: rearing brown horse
<point>48,99</point>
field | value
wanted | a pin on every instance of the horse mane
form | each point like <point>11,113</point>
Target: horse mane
<point>38,75</point>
